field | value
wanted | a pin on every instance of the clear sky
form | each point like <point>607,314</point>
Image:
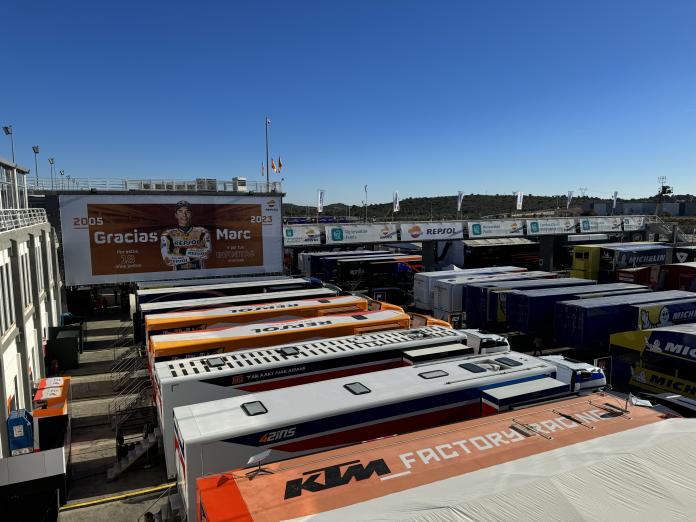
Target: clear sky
<point>426,98</point>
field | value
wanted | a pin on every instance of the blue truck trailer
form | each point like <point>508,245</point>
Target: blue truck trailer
<point>531,311</point>
<point>475,294</point>
<point>496,298</point>
<point>587,323</point>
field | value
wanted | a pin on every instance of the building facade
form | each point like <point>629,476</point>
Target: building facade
<point>30,294</point>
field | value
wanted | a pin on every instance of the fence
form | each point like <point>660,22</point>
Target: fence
<point>153,185</point>
<point>21,217</point>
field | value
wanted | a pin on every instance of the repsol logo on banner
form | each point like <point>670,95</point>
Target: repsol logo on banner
<point>334,476</point>
<point>448,231</point>
<point>290,326</point>
<point>684,388</point>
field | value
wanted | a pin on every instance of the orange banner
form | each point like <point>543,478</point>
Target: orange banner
<point>153,237</point>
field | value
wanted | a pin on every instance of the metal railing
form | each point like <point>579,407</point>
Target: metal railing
<point>153,185</point>
<point>21,217</point>
<point>138,394</point>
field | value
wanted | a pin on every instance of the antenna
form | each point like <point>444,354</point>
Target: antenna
<point>258,459</point>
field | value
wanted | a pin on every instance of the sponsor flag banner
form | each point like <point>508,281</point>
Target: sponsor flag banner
<point>460,198</point>
<point>541,227</point>
<point>296,235</point>
<point>395,202</point>
<point>497,228</point>
<point>109,238</point>
<point>432,231</point>
<point>360,233</point>
<point>611,224</point>
<point>520,198</point>
<point>320,201</point>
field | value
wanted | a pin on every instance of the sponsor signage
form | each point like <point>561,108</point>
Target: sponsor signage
<point>652,380</point>
<point>540,227</point>
<point>365,233</point>
<point>497,228</point>
<point>611,224</point>
<point>431,231</point>
<point>432,455</point>
<point>110,238</point>
<point>295,235</point>
<point>658,315</point>
<point>640,258</point>
<point>671,344</point>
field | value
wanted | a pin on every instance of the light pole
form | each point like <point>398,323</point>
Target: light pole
<point>365,203</point>
<point>7,129</point>
<point>52,162</point>
<point>62,173</point>
<point>35,148</point>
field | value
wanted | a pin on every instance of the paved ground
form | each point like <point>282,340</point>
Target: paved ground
<point>93,444</point>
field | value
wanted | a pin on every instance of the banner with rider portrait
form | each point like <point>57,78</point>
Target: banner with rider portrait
<point>134,238</point>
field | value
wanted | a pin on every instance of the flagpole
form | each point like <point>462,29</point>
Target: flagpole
<point>268,165</point>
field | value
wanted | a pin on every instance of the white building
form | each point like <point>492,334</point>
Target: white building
<point>30,286</point>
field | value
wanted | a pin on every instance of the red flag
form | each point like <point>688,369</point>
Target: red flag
<point>263,170</point>
<point>273,165</point>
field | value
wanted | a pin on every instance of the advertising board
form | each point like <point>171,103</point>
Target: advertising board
<point>364,233</point>
<point>540,227</point>
<point>611,224</point>
<point>497,228</point>
<point>432,231</point>
<point>296,235</point>
<point>118,238</point>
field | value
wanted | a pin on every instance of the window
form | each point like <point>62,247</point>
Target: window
<point>433,374</point>
<point>508,362</point>
<point>254,408</point>
<point>357,388</point>
<point>473,368</point>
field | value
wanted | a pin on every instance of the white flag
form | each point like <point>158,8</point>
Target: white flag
<point>570,198</point>
<point>616,195</point>
<point>460,198</point>
<point>520,197</point>
<point>395,202</point>
<point>320,201</point>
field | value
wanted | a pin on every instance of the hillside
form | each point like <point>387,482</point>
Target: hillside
<point>445,207</point>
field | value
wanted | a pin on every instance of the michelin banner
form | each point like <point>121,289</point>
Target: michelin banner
<point>298,235</point>
<point>497,228</point>
<point>342,234</point>
<point>611,224</point>
<point>110,239</point>
<point>431,231</point>
<point>541,227</point>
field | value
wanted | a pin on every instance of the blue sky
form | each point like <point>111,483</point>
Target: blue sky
<point>426,98</point>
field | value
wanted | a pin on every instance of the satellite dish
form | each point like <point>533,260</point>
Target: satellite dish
<point>258,458</point>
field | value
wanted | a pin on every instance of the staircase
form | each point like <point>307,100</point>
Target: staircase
<point>133,455</point>
<point>172,510</point>
<point>133,400</point>
<point>666,231</point>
